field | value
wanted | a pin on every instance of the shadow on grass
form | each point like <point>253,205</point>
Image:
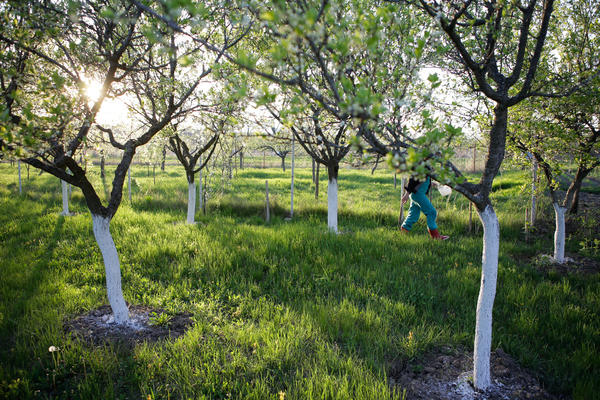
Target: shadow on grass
<point>37,277</point>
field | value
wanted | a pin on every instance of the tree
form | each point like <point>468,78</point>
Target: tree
<point>278,145</point>
<point>51,118</point>
<point>498,45</point>
<point>346,60</point>
<point>557,132</point>
<point>326,140</point>
<point>199,141</point>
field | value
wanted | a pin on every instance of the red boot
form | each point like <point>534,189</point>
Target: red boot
<point>404,231</point>
<point>436,235</point>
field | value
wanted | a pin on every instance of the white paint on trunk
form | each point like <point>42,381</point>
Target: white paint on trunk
<point>101,226</point>
<point>332,205</point>
<point>191,211</point>
<point>65,198</point>
<point>559,233</point>
<point>19,167</point>
<point>487,293</point>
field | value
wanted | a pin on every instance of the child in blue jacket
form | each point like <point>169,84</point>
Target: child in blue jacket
<point>417,191</point>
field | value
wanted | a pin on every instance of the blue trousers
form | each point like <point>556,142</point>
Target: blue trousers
<point>419,202</point>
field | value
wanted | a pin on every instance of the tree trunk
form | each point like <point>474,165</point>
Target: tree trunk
<point>332,199</point>
<point>485,302</point>
<point>575,188</point>
<point>559,233</point>
<point>241,159</point>
<point>101,227</point>
<point>191,211</point>
<point>65,198</point>
<point>376,164</point>
<point>283,163</point>
<point>313,169</point>
<point>164,157</point>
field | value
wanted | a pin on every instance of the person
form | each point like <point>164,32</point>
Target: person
<point>417,191</point>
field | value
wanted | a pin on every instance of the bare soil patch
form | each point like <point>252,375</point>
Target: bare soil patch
<point>147,325</point>
<point>574,264</point>
<point>446,374</point>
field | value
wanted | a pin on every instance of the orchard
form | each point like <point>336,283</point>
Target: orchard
<point>164,234</point>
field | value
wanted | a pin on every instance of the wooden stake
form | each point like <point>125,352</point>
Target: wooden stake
<point>317,182</point>
<point>401,216</point>
<point>19,167</point>
<point>268,212</point>
<point>533,193</point>
<point>129,182</point>
<point>470,217</point>
<point>292,192</point>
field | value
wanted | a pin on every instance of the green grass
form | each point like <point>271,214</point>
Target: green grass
<point>279,307</point>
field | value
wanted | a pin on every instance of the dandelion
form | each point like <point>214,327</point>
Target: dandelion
<point>281,395</point>
<point>52,349</point>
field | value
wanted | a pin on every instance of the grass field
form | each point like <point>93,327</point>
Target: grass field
<point>283,307</point>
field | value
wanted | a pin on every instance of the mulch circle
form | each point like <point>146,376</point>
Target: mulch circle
<point>446,374</point>
<point>574,264</point>
<point>97,327</point>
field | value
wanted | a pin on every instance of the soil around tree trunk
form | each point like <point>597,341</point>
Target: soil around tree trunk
<point>446,374</point>
<point>147,324</point>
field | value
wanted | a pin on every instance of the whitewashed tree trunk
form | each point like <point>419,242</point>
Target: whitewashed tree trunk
<point>20,186</point>
<point>559,233</point>
<point>191,211</point>
<point>332,205</point>
<point>101,226</point>
<point>487,293</point>
<point>65,197</point>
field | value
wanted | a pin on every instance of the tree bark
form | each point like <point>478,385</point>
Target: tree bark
<point>487,293</point>
<point>575,188</point>
<point>102,173</point>
<point>283,163</point>
<point>559,233</point>
<point>101,227</point>
<point>164,157</point>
